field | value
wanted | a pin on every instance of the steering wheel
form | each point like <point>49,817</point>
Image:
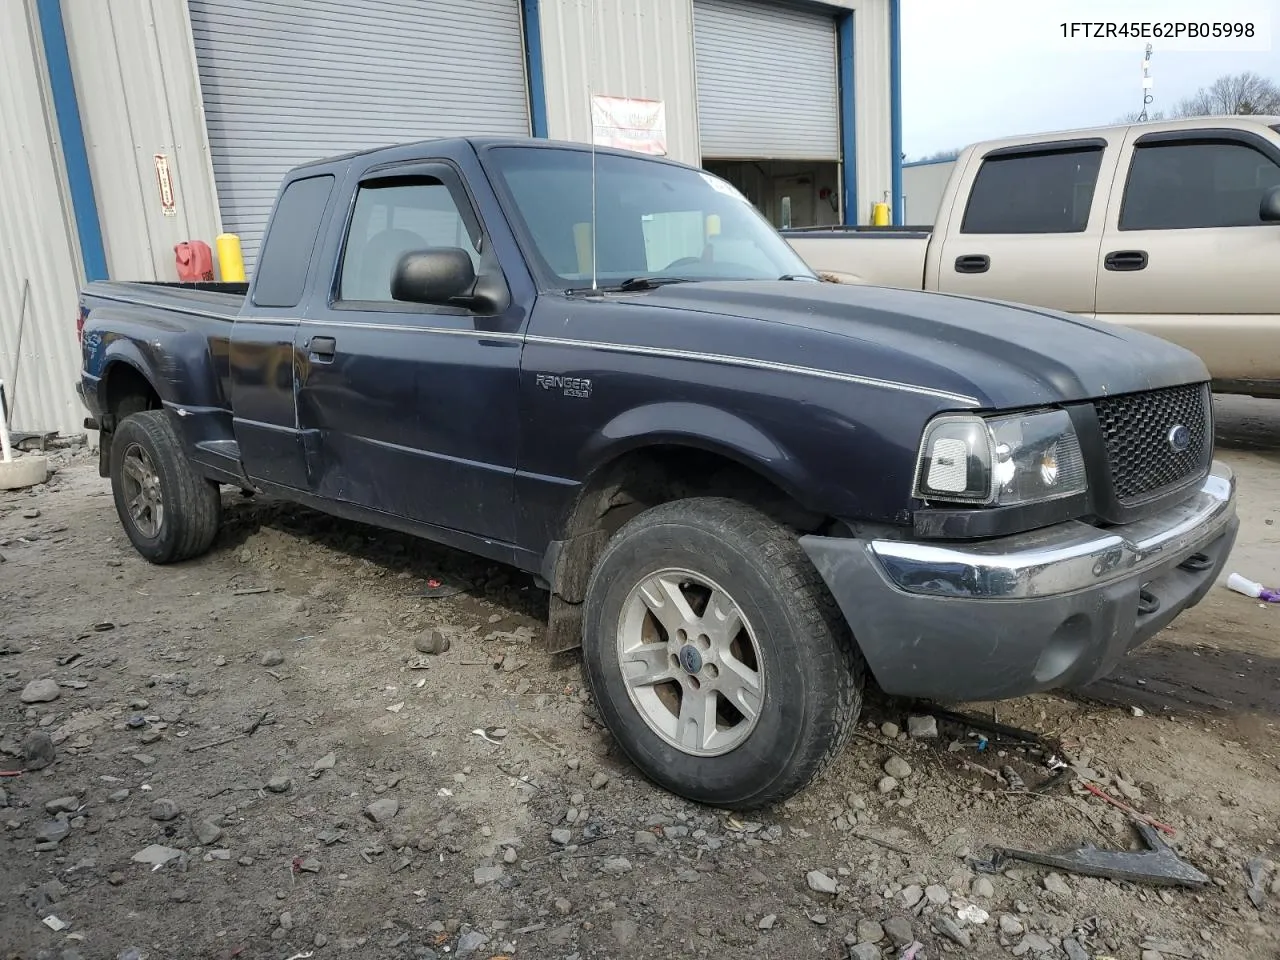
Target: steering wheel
<point>683,262</point>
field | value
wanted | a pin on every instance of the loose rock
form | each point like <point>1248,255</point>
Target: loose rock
<point>1011,925</point>
<point>53,831</point>
<point>40,691</point>
<point>899,930</point>
<point>982,887</point>
<point>890,730</point>
<point>897,768</point>
<point>279,784</point>
<point>869,931</point>
<point>767,922</point>
<point>616,866</point>
<point>819,882</point>
<point>952,931</point>
<point>272,658</point>
<point>434,642</point>
<point>937,894</point>
<point>600,781</point>
<point>561,836</point>
<point>380,811</point>
<point>324,763</point>
<point>1074,950</point>
<point>487,875</point>
<point>207,832</point>
<point>922,728</point>
<point>888,784</point>
<point>165,809</point>
<point>563,907</point>
<point>1032,942</point>
<point>155,854</point>
<point>1056,885</point>
<point>470,942</point>
<point>37,750</point>
<point>913,894</point>
<point>62,805</point>
<point>864,951</point>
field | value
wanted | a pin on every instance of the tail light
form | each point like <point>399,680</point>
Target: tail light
<point>81,315</point>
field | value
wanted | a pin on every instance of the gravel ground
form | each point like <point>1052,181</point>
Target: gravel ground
<point>253,757</point>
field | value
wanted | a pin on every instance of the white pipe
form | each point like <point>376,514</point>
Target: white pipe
<point>4,441</point>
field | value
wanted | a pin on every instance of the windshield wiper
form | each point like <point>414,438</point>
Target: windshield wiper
<point>648,283</point>
<point>798,276</point>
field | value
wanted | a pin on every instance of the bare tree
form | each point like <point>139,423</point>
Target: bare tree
<point>941,156</point>
<point>1238,93</point>
<point>1135,116</point>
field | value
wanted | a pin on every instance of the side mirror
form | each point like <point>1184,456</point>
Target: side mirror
<point>438,276</point>
<point>1269,210</point>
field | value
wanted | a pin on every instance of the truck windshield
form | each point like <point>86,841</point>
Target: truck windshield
<point>651,219</point>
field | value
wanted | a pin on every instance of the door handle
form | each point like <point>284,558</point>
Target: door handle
<point>1125,260</point>
<point>323,348</point>
<point>973,263</point>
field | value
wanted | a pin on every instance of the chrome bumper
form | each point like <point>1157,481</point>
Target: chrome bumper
<point>1062,559</point>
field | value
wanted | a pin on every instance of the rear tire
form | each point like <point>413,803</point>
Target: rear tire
<point>717,656</point>
<point>168,511</point>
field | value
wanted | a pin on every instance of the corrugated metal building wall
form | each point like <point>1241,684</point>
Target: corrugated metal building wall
<point>620,48</point>
<point>135,78</point>
<point>38,247</point>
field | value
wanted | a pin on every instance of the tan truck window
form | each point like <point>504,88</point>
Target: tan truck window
<point>1044,192</point>
<point>1181,186</point>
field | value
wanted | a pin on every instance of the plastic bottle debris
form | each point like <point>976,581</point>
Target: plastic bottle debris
<point>1252,589</point>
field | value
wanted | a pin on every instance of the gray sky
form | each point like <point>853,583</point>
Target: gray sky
<point>976,69</point>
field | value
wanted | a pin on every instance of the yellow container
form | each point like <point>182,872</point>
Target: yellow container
<point>230,258</point>
<point>879,214</point>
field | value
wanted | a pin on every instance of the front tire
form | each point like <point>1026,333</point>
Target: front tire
<point>717,656</point>
<point>168,511</point>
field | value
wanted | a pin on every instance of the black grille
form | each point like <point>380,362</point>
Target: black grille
<point>1137,429</point>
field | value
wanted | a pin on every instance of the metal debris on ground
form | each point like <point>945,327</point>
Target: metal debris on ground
<point>54,924</point>
<point>1101,794</point>
<point>1158,865</point>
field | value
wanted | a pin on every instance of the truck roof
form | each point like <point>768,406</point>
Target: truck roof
<point>446,144</point>
<point>1151,126</point>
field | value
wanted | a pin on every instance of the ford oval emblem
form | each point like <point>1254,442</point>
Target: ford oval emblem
<point>1179,438</point>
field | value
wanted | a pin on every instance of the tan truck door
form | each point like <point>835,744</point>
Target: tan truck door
<point>1186,255</point>
<point>1026,224</point>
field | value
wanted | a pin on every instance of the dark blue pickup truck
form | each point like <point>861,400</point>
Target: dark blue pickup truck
<point>743,487</point>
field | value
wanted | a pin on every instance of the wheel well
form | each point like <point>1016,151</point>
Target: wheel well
<point>128,391</point>
<point>634,482</point>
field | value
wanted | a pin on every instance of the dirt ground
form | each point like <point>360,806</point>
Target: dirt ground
<point>244,711</point>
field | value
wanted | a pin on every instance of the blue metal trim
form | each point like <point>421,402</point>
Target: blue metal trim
<point>84,205</point>
<point>848,117</point>
<point>533,68</point>
<point>895,105</point>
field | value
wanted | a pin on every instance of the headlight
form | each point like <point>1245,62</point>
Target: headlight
<point>1000,461</point>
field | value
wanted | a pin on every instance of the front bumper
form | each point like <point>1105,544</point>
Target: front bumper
<point>1056,607</point>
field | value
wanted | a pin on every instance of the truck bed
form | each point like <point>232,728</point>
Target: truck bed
<point>896,258</point>
<point>219,301</point>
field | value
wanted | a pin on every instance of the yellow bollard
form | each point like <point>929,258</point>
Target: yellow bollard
<point>879,214</point>
<point>230,258</point>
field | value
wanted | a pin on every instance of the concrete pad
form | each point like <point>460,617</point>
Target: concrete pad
<point>24,472</point>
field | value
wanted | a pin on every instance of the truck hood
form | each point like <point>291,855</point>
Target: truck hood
<point>1003,355</point>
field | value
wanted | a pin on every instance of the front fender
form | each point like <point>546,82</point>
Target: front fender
<point>702,427</point>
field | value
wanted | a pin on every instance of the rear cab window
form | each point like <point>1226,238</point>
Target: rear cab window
<point>1203,183</point>
<point>1037,189</point>
<point>281,275</point>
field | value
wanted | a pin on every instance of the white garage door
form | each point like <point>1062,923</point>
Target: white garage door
<point>285,82</point>
<point>766,81</point>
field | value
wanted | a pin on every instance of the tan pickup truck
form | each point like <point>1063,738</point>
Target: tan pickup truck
<point>1169,227</point>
